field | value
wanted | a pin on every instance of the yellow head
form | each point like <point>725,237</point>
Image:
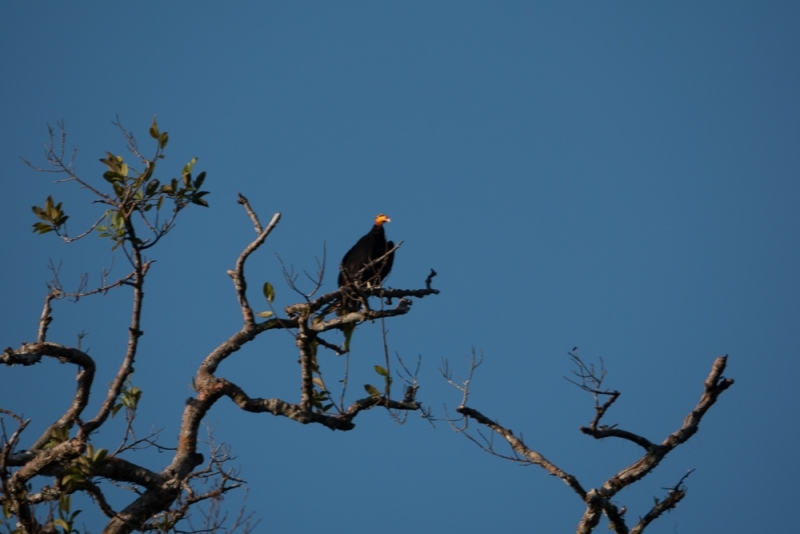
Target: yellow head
<point>382,218</point>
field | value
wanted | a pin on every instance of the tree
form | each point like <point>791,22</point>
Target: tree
<point>598,500</point>
<point>139,211</point>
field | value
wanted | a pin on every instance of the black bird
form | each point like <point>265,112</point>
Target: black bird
<point>368,263</point>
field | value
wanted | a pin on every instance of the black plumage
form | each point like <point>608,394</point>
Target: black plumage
<point>367,262</point>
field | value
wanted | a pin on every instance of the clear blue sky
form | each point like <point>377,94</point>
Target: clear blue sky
<point>621,177</point>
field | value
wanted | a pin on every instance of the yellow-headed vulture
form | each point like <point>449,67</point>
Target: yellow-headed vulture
<point>367,262</point>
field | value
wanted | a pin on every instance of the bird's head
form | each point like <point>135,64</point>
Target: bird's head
<point>382,218</point>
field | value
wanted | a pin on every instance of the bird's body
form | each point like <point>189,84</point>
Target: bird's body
<point>369,261</point>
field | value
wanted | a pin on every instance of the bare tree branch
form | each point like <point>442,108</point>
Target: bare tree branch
<point>238,273</point>
<point>674,496</point>
<point>598,501</point>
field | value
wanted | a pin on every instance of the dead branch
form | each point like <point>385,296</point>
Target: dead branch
<point>520,448</point>
<point>674,496</point>
<point>238,273</point>
<point>250,213</point>
<point>598,501</point>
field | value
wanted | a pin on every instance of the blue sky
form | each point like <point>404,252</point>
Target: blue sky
<point>621,177</point>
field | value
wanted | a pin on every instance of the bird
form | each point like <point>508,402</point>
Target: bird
<point>369,261</point>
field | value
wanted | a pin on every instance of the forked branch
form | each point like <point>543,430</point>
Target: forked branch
<point>599,501</point>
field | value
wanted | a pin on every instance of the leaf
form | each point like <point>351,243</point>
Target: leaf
<point>187,169</point>
<point>73,477</point>
<point>112,162</point>
<point>381,371</point>
<point>163,139</point>
<point>150,167</point>
<point>200,202</point>
<point>115,409</point>
<point>100,455</point>
<point>318,381</point>
<point>152,187</point>
<point>269,292</point>
<point>199,180</point>
<point>348,335</point>
<point>42,228</point>
<point>64,503</point>
<point>154,129</point>
<point>264,314</point>
<point>372,390</point>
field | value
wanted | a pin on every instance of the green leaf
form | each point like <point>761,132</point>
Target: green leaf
<point>269,292</point>
<point>115,409</point>
<point>381,371</point>
<point>264,314</point>
<point>64,503</point>
<point>199,180</point>
<point>348,335</point>
<point>148,171</point>
<point>200,202</point>
<point>112,162</point>
<point>163,139</point>
<point>187,169</point>
<point>372,390</point>
<point>154,129</point>
<point>42,228</point>
<point>100,455</point>
<point>269,325</point>
<point>73,477</point>
<point>152,187</point>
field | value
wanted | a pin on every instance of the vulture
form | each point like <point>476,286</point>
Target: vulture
<point>367,262</point>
